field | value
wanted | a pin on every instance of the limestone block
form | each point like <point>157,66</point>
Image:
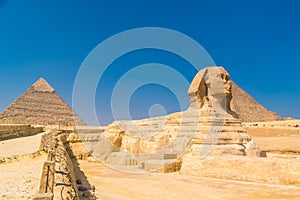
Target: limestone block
<point>120,158</point>
<point>103,148</point>
<point>43,196</point>
<point>170,165</point>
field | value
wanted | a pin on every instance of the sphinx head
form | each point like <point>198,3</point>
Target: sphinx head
<point>211,87</point>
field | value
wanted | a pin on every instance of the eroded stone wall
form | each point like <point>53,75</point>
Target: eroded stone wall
<point>9,131</point>
<point>61,175</point>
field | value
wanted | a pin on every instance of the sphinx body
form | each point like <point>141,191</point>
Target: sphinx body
<point>207,127</point>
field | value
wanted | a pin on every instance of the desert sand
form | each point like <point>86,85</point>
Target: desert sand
<point>20,178</point>
<point>276,136</point>
<point>20,146</point>
<point>282,147</point>
<point>20,167</point>
<point>115,185</point>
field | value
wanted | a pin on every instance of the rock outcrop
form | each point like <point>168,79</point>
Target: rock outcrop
<point>40,105</point>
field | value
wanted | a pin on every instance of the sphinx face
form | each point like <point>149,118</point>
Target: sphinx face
<point>218,82</point>
<point>211,86</point>
<point>227,82</point>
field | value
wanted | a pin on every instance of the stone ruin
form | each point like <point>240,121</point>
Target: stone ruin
<point>207,127</point>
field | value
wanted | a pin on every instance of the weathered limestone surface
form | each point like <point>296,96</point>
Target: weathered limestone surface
<point>84,141</point>
<point>209,126</point>
<point>8,131</point>
<point>244,168</point>
<point>40,105</point>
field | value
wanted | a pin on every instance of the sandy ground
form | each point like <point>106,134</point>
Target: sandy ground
<point>276,136</point>
<point>20,176</point>
<point>20,167</point>
<point>116,185</point>
<point>20,146</point>
<point>111,184</point>
<point>287,145</point>
<point>20,179</point>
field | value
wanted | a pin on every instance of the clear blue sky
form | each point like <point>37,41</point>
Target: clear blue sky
<point>256,41</point>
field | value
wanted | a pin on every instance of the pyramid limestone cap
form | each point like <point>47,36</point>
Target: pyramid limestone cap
<point>42,86</point>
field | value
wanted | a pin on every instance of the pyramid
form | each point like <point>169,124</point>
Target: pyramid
<point>248,108</point>
<point>40,104</point>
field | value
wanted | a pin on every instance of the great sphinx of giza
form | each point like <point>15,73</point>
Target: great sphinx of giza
<point>210,97</point>
<point>207,127</point>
